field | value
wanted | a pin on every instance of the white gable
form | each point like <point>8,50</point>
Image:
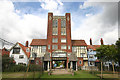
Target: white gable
<point>17,56</point>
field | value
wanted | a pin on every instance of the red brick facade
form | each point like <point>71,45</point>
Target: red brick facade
<point>59,36</point>
<point>78,62</point>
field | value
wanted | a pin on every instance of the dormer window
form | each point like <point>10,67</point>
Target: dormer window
<point>27,50</point>
<point>16,50</point>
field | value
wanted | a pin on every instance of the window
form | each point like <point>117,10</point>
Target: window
<point>55,40</point>
<point>27,50</point>
<point>48,46</point>
<point>54,47</point>
<point>32,61</point>
<point>80,62</point>
<point>63,31</point>
<point>91,63</point>
<point>43,49</point>
<point>35,47</point>
<point>69,47</point>
<point>55,31</point>
<point>82,54</point>
<point>34,55</point>
<point>82,47</point>
<point>90,56</point>
<point>16,50</point>
<point>63,23</point>
<point>55,23</point>
<point>21,56</point>
<point>37,61</point>
<point>55,27</point>
<point>63,46</point>
<point>74,49</point>
<point>63,40</point>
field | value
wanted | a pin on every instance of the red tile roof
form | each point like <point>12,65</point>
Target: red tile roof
<point>79,43</point>
<point>24,49</point>
<point>94,47</point>
<point>39,42</point>
<point>5,51</point>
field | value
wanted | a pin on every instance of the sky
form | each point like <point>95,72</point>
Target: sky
<point>22,21</point>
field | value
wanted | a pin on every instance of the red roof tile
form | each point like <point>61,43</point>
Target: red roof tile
<point>24,49</point>
<point>79,43</point>
<point>39,42</point>
<point>94,47</point>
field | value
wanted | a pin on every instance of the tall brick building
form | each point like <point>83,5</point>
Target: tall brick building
<point>59,46</point>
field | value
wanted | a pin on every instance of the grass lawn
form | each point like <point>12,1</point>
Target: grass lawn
<point>20,75</point>
<point>78,74</point>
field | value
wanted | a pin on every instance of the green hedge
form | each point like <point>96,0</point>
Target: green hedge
<point>19,68</point>
<point>34,67</point>
<point>15,68</point>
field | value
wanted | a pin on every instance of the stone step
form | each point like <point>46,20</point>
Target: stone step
<point>60,71</point>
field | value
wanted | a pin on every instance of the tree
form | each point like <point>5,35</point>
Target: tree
<point>111,55</point>
<point>101,54</point>
<point>7,62</point>
<point>118,50</point>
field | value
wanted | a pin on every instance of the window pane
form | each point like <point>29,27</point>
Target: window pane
<point>63,40</point>
<point>16,50</point>
<point>48,46</point>
<point>82,54</point>
<point>54,47</point>
<point>55,31</point>
<point>63,46</point>
<point>55,40</point>
<point>63,31</point>
<point>69,47</point>
<point>55,23</point>
<point>63,23</point>
<point>80,62</point>
<point>21,56</point>
<point>43,49</point>
<point>74,49</point>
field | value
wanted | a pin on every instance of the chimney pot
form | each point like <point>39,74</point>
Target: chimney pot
<point>101,41</point>
<point>90,41</point>
<point>26,44</point>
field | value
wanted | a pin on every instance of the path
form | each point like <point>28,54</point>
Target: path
<point>60,71</point>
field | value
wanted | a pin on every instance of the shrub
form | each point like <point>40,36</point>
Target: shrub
<point>34,67</point>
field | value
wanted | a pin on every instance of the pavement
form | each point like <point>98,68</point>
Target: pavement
<point>60,71</point>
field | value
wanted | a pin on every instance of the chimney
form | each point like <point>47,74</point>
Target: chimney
<point>90,41</point>
<point>26,44</point>
<point>101,41</point>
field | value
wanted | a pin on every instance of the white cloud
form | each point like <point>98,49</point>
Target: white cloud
<point>15,28</point>
<point>101,25</point>
<point>55,6</point>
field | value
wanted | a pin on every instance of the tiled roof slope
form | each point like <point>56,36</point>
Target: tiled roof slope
<point>24,49</point>
<point>94,47</point>
<point>39,42</point>
<point>79,43</point>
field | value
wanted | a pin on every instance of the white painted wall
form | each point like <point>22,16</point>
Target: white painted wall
<point>79,51</point>
<point>37,50</point>
<point>24,60</point>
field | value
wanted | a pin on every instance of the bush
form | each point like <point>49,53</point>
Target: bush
<point>16,68</point>
<point>79,67</point>
<point>34,67</point>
